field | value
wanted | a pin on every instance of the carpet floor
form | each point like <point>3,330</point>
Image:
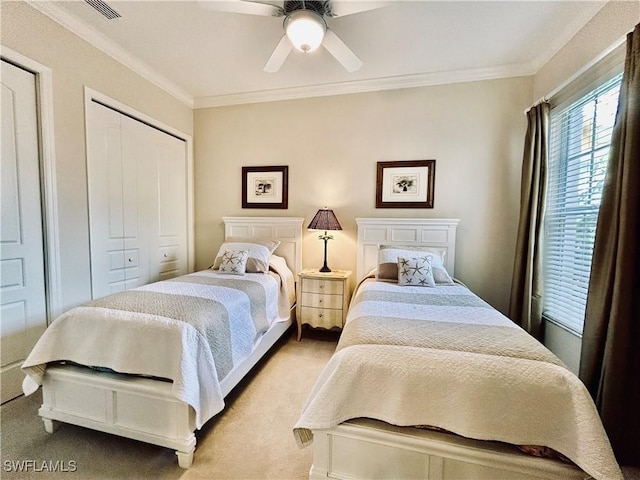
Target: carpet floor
<point>251,439</point>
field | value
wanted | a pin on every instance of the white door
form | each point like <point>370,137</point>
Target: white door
<point>107,197</point>
<point>137,178</point>
<point>23,314</point>
<point>137,206</point>
<point>167,165</point>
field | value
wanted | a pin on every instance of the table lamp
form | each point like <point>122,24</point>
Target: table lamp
<point>325,220</point>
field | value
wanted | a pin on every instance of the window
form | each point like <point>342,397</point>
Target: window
<point>580,136</point>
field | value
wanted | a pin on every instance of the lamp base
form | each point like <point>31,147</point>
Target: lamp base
<point>325,268</point>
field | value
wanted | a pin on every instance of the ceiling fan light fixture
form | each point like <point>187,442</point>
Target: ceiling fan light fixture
<point>305,29</point>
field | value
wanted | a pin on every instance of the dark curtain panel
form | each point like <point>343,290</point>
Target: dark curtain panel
<point>525,305</point>
<point>610,361</point>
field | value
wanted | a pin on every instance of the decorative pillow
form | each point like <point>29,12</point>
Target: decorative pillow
<point>234,262</point>
<point>388,262</point>
<point>416,271</point>
<point>258,261</point>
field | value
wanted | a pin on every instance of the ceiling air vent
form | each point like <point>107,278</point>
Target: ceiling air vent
<point>103,8</point>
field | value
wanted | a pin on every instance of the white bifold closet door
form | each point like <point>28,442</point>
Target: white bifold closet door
<point>137,202</point>
<point>23,314</point>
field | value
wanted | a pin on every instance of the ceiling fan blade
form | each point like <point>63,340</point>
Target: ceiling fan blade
<point>243,6</point>
<point>279,55</point>
<point>340,8</point>
<point>339,49</point>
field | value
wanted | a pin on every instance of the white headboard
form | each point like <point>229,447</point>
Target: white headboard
<point>425,232</point>
<point>286,229</point>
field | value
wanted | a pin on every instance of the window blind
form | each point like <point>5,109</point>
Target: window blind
<point>580,138</point>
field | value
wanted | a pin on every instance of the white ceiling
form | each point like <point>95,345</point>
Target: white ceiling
<point>208,58</point>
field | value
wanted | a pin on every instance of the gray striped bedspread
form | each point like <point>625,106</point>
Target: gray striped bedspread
<point>192,330</point>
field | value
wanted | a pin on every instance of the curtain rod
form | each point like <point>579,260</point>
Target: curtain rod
<point>538,102</point>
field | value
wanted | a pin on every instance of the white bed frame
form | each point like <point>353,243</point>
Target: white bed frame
<point>143,408</point>
<point>371,449</point>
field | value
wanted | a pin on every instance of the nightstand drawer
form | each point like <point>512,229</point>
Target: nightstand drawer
<point>322,317</point>
<point>321,300</point>
<point>314,285</point>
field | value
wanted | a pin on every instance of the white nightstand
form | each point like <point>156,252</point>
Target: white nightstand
<point>322,298</point>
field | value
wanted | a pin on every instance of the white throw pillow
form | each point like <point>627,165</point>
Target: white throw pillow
<point>388,262</point>
<point>416,271</point>
<point>259,255</point>
<point>234,262</point>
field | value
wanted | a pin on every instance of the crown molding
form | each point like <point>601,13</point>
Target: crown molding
<point>364,86</point>
<point>99,41</point>
<point>106,45</point>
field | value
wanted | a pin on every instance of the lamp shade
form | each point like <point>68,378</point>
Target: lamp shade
<point>325,219</point>
<point>305,29</point>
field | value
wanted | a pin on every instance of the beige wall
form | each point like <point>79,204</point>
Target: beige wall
<point>74,64</point>
<point>608,26</point>
<point>475,132</point>
<point>331,144</point>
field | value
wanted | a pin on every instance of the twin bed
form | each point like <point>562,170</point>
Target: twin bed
<point>431,382</point>
<point>155,363</point>
<point>426,382</point>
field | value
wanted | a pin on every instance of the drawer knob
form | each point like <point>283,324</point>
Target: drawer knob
<point>320,315</point>
<point>130,260</point>
<point>321,300</point>
<point>165,255</point>
<point>321,286</point>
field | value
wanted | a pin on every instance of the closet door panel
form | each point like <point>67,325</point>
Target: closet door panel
<point>106,201</point>
<point>168,248</point>
<point>137,146</point>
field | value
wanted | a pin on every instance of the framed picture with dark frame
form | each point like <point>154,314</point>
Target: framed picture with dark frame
<point>405,184</point>
<point>265,187</point>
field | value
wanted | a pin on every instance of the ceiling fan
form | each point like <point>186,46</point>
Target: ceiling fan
<point>304,26</point>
